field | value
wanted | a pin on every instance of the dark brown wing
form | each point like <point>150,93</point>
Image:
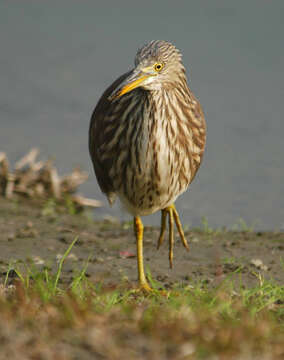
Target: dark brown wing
<point>96,136</point>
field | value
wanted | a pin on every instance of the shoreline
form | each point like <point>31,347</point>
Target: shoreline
<point>37,234</point>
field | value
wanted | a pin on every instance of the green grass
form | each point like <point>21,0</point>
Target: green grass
<point>239,226</point>
<point>52,207</point>
<point>189,321</point>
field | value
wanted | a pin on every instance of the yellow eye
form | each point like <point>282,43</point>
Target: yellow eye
<point>158,66</point>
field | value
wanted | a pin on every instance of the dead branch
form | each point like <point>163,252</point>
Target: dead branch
<point>41,179</point>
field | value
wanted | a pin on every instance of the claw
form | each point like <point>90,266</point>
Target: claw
<point>145,287</point>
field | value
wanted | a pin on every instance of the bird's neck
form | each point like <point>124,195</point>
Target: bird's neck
<point>179,114</point>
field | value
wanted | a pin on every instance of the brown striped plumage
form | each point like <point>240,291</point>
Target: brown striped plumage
<point>147,133</point>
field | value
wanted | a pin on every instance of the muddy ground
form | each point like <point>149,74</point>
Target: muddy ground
<point>36,234</point>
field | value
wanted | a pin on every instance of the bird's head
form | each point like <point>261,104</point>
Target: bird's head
<point>157,64</point>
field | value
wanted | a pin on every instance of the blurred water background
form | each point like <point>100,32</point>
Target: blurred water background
<point>57,57</point>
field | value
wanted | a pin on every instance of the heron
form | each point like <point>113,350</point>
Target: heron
<point>147,137</point>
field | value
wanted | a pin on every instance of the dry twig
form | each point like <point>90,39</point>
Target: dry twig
<point>41,179</point>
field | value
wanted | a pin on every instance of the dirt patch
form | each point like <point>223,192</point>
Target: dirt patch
<point>29,235</point>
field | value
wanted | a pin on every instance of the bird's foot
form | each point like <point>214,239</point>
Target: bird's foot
<point>145,287</point>
<point>173,216</point>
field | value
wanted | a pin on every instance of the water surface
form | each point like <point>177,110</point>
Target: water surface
<point>58,56</point>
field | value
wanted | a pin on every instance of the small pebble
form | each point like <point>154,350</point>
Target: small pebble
<point>58,257</point>
<point>72,257</point>
<point>29,225</point>
<point>38,260</point>
<point>259,264</point>
<point>11,237</point>
<point>187,349</point>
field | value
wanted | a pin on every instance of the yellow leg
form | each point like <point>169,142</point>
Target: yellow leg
<point>171,237</point>
<point>179,227</point>
<point>163,228</point>
<point>138,228</point>
<point>173,217</point>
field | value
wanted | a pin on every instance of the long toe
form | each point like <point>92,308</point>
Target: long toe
<point>180,229</point>
<point>163,228</point>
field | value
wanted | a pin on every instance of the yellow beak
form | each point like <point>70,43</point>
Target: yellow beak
<point>131,82</point>
<point>132,85</point>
